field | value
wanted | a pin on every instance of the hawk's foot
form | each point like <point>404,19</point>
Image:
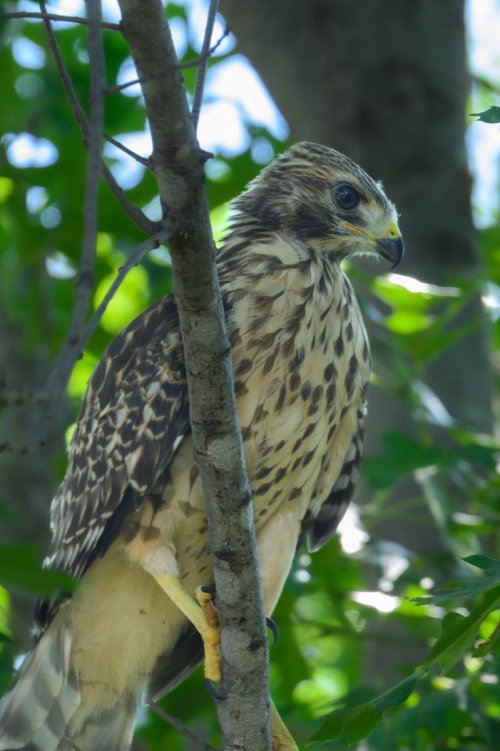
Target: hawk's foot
<point>210,635</point>
<point>201,614</point>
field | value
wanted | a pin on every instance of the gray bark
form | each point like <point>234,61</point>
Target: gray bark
<point>178,167</point>
<point>28,460</point>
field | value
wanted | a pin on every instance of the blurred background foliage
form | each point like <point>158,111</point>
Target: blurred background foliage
<point>415,674</point>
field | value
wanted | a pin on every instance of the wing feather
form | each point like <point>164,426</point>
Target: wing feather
<point>133,418</point>
<point>321,527</point>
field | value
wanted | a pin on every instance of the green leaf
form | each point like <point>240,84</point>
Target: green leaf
<point>20,567</point>
<point>491,115</point>
<point>459,632</point>
<point>468,588</point>
<point>403,455</point>
<point>357,722</point>
<point>484,562</point>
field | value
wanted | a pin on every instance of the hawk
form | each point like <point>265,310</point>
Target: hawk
<point>129,518</point>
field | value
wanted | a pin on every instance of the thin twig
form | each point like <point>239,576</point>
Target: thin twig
<point>179,726</point>
<point>207,55</point>
<point>120,87</point>
<point>134,212</point>
<point>202,69</point>
<point>85,285</point>
<point>63,73</point>
<point>18,397</point>
<point>152,242</point>
<point>181,66</point>
<point>58,17</point>
<point>138,158</point>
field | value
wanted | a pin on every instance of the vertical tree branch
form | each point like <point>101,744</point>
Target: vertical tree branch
<point>202,67</point>
<point>178,166</point>
<point>134,212</point>
<point>85,283</point>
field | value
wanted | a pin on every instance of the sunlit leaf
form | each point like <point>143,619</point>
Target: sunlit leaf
<point>459,632</point>
<point>466,588</point>
<point>358,722</point>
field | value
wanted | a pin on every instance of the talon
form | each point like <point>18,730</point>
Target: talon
<point>214,693</point>
<point>273,628</point>
<point>206,589</point>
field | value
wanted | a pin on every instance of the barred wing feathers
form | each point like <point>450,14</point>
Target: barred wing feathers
<point>134,417</point>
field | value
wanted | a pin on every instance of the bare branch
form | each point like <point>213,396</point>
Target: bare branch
<point>179,726</point>
<point>180,66</point>
<point>202,70</point>
<point>120,87</point>
<point>138,158</point>
<point>178,166</point>
<point>152,242</point>
<point>85,285</point>
<point>134,212</point>
<point>58,17</point>
<point>78,113</point>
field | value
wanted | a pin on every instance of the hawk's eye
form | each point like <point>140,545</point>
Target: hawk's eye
<point>347,197</point>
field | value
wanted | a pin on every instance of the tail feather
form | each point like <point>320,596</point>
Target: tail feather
<point>36,712</point>
<point>111,731</point>
<point>44,710</point>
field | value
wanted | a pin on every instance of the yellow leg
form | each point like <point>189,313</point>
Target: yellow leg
<point>202,616</point>
<point>282,740</point>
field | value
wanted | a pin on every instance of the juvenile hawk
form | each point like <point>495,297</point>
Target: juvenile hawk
<point>129,517</point>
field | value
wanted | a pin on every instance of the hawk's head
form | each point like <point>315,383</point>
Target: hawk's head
<point>319,196</point>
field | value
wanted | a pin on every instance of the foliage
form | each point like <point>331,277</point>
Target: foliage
<point>491,115</point>
<point>329,616</point>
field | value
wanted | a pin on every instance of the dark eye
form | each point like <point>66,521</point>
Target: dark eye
<point>347,197</point>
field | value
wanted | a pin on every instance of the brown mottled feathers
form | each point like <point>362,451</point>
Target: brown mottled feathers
<point>133,418</point>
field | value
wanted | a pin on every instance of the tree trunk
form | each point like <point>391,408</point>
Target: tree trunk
<point>27,469</point>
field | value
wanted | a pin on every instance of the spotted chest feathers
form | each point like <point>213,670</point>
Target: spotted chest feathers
<point>301,365</point>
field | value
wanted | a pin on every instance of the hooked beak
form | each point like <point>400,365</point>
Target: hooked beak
<point>392,249</point>
<point>389,246</point>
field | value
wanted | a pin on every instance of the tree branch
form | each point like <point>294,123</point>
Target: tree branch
<point>57,17</point>
<point>136,257</point>
<point>179,727</point>
<point>134,212</point>
<point>202,69</point>
<point>85,284</point>
<point>178,166</point>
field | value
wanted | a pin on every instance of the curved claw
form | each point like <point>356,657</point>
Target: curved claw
<point>214,693</point>
<point>274,628</point>
<point>206,588</point>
